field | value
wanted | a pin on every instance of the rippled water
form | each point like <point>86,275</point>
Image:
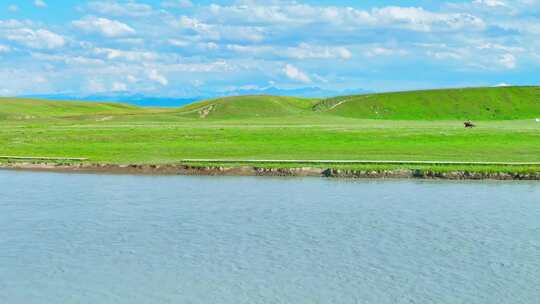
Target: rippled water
<point>67,238</point>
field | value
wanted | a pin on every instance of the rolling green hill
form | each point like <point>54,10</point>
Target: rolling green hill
<point>249,107</point>
<point>501,103</point>
<point>494,103</point>
<point>27,109</point>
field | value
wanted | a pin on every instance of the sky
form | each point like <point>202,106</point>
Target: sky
<point>187,48</point>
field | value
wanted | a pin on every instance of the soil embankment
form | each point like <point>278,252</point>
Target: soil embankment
<point>184,169</point>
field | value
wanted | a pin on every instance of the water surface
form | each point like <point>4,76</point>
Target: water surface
<point>69,238</point>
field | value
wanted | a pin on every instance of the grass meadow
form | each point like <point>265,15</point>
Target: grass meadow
<point>247,128</point>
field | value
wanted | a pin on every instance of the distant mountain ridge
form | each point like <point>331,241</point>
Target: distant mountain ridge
<point>137,99</point>
<point>143,100</point>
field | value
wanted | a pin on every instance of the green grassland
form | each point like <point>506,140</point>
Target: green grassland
<point>417,125</point>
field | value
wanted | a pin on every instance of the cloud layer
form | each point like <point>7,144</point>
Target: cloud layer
<point>181,48</point>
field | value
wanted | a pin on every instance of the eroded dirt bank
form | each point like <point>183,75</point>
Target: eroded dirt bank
<point>183,169</point>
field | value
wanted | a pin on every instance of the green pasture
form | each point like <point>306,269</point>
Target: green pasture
<point>268,127</point>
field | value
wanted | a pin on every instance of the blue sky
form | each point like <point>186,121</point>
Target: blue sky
<point>182,48</point>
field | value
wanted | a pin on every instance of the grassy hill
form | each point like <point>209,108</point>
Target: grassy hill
<point>27,109</point>
<point>249,107</point>
<point>502,103</point>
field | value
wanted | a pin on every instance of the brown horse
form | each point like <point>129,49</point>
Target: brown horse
<point>469,124</point>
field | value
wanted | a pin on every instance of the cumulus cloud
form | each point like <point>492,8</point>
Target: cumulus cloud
<point>295,74</point>
<point>215,67</point>
<point>179,43</point>
<point>307,51</point>
<point>40,3</point>
<point>132,9</point>
<point>419,19</point>
<point>4,48</point>
<point>412,18</point>
<point>177,4</point>
<point>138,56</point>
<point>508,61</point>
<point>36,39</point>
<point>95,86</point>
<point>490,3</point>
<point>253,41</point>
<point>207,31</point>
<point>444,55</point>
<point>103,26</point>
<point>119,87</point>
<point>383,51</point>
<point>131,79</point>
<point>11,24</point>
<point>154,75</point>
<point>67,59</point>
<point>251,49</point>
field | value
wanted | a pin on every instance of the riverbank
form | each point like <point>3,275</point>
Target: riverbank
<point>336,171</point>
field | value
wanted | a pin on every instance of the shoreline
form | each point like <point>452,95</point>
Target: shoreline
<point>250,170</point>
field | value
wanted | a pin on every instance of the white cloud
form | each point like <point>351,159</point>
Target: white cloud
<point>40,79</point>
<point>503,84</point>
<point>4,48</point>
<point>444,55</point>
<point>206,30</point>
<point>210,46</point>
<point>119,87</point>
<point>132,9</point>
<point>157,77</point>
<point>295,14</point>
<point>13,8</point>
<point>382,51</point>
<point>490,3</point>
<point>209,31</point>
<point>300,52</point>
<point>11,24</point>
<point>179,43</point>
<point>500,47</point>
<point>508,61</point>
<point>132,41</point>
<point>419,19</point>
<point>40,3</point>
<point>307,51</point>
<point>192,23</point>
<point>250,49</point>
<point>67,59</point>
<point>296,74</point>
<point>217,66</point>
<point>95,86</point>
<point>5,92</point>
<point>344,53</point>
<point>131,78</point>
<point>37,39</point>
<point>138,56</point>
<point>177,4</point>
<point>477,54</point>
<point>104,26</point>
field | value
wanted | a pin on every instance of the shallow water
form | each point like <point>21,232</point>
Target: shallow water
<point>68,238</point>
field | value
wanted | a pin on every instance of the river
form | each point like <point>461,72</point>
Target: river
<point>91,238</point>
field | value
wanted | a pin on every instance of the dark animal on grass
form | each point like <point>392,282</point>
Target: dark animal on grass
<point>469,124</point>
